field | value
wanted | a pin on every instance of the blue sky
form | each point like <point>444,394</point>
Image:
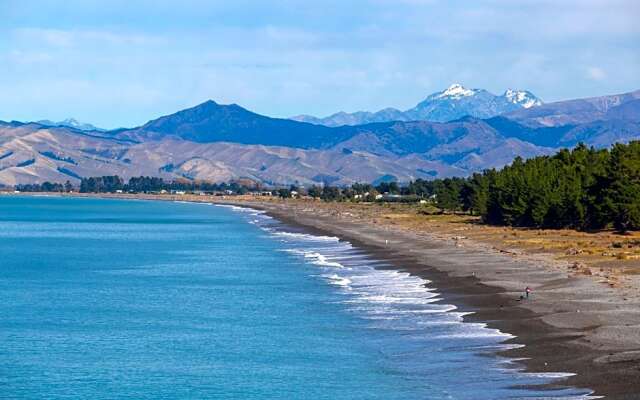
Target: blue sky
<point>120,63</point>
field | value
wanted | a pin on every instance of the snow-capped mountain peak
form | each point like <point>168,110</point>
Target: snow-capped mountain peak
<point>70,123</point>
<point>522,97</point>
<point>452,103</point>
<point>456,91</point>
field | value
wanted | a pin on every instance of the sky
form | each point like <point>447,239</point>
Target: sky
<point>121,63</point>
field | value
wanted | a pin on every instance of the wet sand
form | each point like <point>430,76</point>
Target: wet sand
<point>569,324</point>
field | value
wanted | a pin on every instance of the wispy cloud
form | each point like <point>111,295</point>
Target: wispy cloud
<point>69,38</point>
<point>49,37</point>
<point>125,62</point>
<point>596,73</point>
<point>29,57</point>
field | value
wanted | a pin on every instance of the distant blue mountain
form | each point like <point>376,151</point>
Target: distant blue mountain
<point>70,123</point>
<point>550,125</point>
<point>221,142</point>
<point>450,104</point>
<point>213,122</point>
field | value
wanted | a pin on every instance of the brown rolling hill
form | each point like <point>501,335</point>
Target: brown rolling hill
<point>224,142</point>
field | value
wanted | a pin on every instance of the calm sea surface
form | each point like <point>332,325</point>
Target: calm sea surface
<point>107,299</point>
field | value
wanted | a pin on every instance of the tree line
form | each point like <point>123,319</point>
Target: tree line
<point>584,188</point>
<point>45,187</point>
<point>147,184</point>
<point>140,184</point>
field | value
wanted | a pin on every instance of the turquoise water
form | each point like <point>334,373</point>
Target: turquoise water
<point>156,300</point>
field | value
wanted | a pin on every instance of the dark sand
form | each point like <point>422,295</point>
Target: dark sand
<point>570,323</point>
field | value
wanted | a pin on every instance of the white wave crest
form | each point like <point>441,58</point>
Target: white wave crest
<point>305,236</point>
<point>338,280</point>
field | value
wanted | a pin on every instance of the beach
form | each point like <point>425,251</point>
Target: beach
<point>572,322</point>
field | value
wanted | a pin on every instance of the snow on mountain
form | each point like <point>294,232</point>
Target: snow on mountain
<point>70,123</point>
<point>522,97</point>
<point>217,143</point>
<point>454,91</point>
<point>450,104</point>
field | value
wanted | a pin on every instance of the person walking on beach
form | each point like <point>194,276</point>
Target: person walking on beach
<point>527,290</point>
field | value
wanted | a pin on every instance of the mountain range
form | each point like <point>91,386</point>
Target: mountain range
<point>70,123</point>
<point>218,142</point>
<point>450,104</point>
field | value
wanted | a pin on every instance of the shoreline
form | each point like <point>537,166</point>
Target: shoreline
<point>557,337</point>
<point>571,324</point>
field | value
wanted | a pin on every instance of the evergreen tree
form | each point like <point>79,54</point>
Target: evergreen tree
<point>623,192</point>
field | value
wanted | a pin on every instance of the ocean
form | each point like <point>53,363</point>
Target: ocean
<point>126,299</point>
